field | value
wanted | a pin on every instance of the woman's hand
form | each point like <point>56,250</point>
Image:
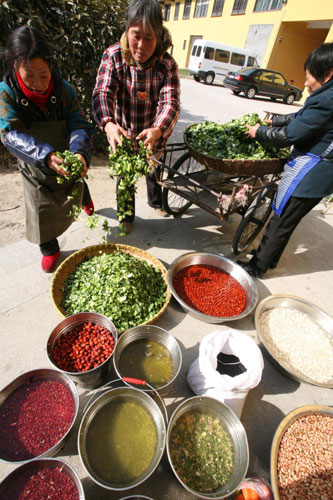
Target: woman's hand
<point>114,134</point>
<point>84,165</point>
<point>54,162</point>
<point>252,130</point>
<point>151,136</point>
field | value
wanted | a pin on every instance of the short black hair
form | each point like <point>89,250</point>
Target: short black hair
<point>320,62</point>
<point>148,12</point>
<point>24,44</point>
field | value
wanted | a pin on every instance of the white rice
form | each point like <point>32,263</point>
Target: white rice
<point>294,339</point>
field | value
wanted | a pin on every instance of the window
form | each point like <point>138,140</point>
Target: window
<point>177,4</point>
<point>201,7</point>
<point>262,5</point>
<point>239,7</point>
<point>167,7</point>
<point>209,53</point>
<point>184,45</point>
<point>187,9</point>
<point>267,76</point>
<point>222,56</point>
<point>194,49</point>
<point>279,79</point>
<point>252,61</point>
<point>218,7</point>
<point>238,59</point>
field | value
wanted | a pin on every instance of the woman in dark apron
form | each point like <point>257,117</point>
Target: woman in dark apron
<point>40,115</point>
<point>308,174</point>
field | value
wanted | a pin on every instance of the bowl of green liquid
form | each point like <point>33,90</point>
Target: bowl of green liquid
<point>148,353</point>
<point>121,437</point>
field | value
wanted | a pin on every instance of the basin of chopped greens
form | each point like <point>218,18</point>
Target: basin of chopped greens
<point>227,140</point>
<point>124,288</point>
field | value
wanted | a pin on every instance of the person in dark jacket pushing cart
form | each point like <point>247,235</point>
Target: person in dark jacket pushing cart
<point>308,174</point>
<point>40,115</point>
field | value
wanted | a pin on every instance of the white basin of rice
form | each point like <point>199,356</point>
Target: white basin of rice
<point>294,339</point>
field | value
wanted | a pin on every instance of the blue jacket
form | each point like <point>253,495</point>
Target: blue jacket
<point>17,112</point>
<point>309,131</point>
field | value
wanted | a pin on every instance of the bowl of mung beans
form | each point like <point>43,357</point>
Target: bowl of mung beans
<point>207,447</point>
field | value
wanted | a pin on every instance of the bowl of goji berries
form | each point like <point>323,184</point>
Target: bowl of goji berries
<point>82,346</point>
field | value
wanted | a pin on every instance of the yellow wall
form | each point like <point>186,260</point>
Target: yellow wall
<point>290,23</point>
<point>226,28</point>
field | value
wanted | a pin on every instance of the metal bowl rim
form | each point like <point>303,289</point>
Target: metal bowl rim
<point>92,370</point>
<point>207,317</point>
<point>295,375</point>
<point>285,423</point>
<point>237,421</point>
<point>47,460</point>
<point>38,372</point>
<point>159,453</point>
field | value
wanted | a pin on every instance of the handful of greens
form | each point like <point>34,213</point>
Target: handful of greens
<point>129,165</point>
<point>72,164</point>
<point>128,290</point>
<point>227,140</point>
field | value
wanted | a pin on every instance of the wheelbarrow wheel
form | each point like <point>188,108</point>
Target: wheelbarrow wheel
<point>254,220</point>
<point>173,203</point>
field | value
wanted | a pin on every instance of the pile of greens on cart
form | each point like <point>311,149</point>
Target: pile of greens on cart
<point>227,140</point>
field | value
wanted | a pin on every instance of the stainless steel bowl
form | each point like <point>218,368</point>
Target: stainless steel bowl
<point>285,423</point>
<point>47,374</point>
<point>236,432</point>
<point>13,476</point>
<point>317,315</point>
<point>116,395</point>
<point>213,259</point>
<point>91,378</point>
<point>159,335</point>
<point>137,497</point>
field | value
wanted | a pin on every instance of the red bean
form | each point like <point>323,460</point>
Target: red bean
<point>42,482</point>
<point>83,348</point>
<point>210,290</point>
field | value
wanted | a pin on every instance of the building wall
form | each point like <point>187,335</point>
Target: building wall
<point>281,39</point>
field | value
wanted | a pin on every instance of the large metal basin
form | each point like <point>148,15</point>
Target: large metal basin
<point>213,259</point>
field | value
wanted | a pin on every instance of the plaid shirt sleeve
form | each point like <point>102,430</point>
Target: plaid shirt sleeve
<point>105,91</point>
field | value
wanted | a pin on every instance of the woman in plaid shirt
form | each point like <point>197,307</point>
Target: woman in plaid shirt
<point>137,89</point>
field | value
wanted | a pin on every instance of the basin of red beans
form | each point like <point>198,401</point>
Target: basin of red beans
<point>83,348</point>
<point>34,418</point>
<point>52,483</point>
<point>210,290</point>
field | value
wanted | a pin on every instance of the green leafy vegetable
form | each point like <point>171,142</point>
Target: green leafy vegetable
<point>129,165</point>
<point>227,140</point>
<point>128,290</point>
<point>72,165</point>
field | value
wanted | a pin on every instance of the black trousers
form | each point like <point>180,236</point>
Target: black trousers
<point>154,195</point>
<point>279,231</point>
<point>51,247</point>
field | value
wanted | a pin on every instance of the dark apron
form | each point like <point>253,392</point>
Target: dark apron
<point>47,203</point>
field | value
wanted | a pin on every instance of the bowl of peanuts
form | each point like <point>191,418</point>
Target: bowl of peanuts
<point>82,346</point>
<point>302,455</point>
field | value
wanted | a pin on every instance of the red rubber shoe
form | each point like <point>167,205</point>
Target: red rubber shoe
<point>89,209</point>
<point>49,262</point>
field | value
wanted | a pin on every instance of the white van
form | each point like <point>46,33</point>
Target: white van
<point>210,60</point>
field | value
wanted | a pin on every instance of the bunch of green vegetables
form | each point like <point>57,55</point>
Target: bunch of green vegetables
<point>129,165</point>
<point>72,165</point>
<point>227,140</point>
<point>128,290</point>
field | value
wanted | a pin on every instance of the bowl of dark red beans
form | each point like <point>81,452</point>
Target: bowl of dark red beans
<point>212,288</point>
<point>81,346</point>
<point>37,412</point>
<point>42,478</point>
